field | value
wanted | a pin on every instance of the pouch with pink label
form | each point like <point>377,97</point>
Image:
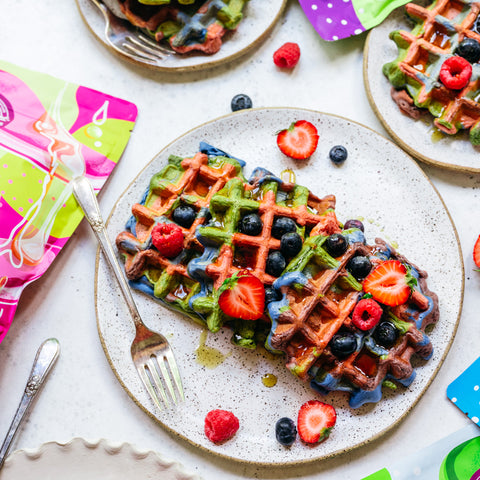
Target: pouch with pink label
<point>51,131</point>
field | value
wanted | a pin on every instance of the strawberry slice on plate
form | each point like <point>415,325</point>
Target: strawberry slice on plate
<point>299,140</point>
<point>476,252</point>
<point>242,295</point>
<point>390,283</point>
<point>315,421</point>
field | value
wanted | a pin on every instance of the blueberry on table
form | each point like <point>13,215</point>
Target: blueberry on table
<point>338,154</point>
<point>241,102</point>
<point>343,344</point>
<point>184,215</point>
<point>469,49</point>
<point>251,224</point>
<point>275,264</point>
<point>385,334</point>
<point>336,244</point>
<point>353,223</point>
<point>285,431</point>
<point>359,266</point>
<point>272,295</point>
<point>290,244</point>
<point>281,226</point>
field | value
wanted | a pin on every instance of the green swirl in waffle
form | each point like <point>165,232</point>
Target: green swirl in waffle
<point>414,74</point>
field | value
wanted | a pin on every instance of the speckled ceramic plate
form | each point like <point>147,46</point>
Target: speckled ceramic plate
<point>259,19</point>
<point>378,182</point>
<point>418,137</point>
<point>80,459</point>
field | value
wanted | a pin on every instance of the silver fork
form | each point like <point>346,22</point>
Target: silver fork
<point>151,353</point>
<point>127,40</point>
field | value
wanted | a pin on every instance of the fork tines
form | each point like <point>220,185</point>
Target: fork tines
<point>145,47</point>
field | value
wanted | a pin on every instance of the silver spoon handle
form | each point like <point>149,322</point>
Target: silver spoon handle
<point>44,360</point>
<point>85,196</point>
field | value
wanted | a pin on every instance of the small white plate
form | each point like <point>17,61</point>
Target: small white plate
<point>259,19</point>
<point>378,182</point>
<point>418,137</point>
<point>80,459</point>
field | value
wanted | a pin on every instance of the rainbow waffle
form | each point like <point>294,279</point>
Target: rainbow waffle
<point>416,73</point>
<point>186,25</point>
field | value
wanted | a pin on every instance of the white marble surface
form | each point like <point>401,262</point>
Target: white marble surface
<point>83,397</point>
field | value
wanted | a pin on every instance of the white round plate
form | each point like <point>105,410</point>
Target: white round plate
<point>80,459</point>
<point>418,137</point>
<point>259,19</point>
<point>379,183</point>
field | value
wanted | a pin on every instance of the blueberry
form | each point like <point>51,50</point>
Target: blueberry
<point>241,102</point>
<point>469,49</point>
<point>359,266</point>
<point>385,334</point>
<point>336,244</point>
<point>251,225</point>
<point>343,344</point>
<point>338,154</point>
<point>354,224</point>
<point>283,225</point>
<point>184,215</point>
<point>272,295</point>
<point>285,431</point>
<point>290,244</point>
<point>275,264</point>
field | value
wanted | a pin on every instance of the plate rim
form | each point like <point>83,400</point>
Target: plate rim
<point>191,68</point>
<point>398,140</point>
<point>340,450</point>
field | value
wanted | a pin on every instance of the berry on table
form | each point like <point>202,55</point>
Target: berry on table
<point>315,421</point>
<point>336,244</point>
<point>343,344</point>
<point>167,238</point>
<point>354,223</point>
<point>281,226</point>
<point>338,154</point>
<point>276,264</point>
<point>476,252</point>
<point>241,102</point>
<point>385,334</point>
<point>299,140</point>
<point>469,49</point>
<point>359,266</point>
<point>285,431</point>
<point>287,56</point>
<point>290,244</point>
<point>455,72</point>
<point>366,314</point>
<point>251,224</point>
<point>220,425</point>
<point>184,215</point>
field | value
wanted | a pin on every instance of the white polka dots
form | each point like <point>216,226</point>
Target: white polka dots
<point>475,419</point>
<point>454,399</point>
<point>475,388</point>
<point>329,5</point>
<point>334,37</point>
<point>98,144</point>
<point>358,31</point>
<point>329,20</point>
<point>343,22</point>
<point>314,7</point>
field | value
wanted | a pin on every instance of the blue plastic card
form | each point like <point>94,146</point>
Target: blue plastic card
<point>464,392</point>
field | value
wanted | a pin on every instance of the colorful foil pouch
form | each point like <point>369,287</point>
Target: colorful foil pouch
<point>51,131</point>
<point>337,19</point>
<point>455,457</point>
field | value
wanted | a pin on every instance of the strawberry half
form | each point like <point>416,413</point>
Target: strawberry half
<point>315,421</point>
<point>299,140</point>
<point>390,283</point>
<point>476,252</point>
<point>242,296</point>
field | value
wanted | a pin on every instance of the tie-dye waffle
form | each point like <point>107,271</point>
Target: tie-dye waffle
<point>316,292</point>
<point>415,73</point>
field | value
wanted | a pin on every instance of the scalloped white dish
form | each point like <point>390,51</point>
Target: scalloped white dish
<point>417,137</point>
<point>378,182</point>
<point>259,19</point>
<point>81,459</point>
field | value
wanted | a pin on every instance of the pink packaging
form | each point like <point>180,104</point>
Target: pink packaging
<point>51,131</point>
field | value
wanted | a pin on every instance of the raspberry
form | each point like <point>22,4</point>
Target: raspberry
<point>287,55</point>
<point>167,238</point>
<point>220,425</point>
<point>366,314</point>
<point>455,72</point>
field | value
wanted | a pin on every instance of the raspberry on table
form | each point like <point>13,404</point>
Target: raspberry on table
<point>220,425</point>
<point>287,56</point>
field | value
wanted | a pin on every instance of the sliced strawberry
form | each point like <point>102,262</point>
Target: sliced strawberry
<point>476,252</point>
<point>299,140</point>
<point>389,283</point>
<point>315,421</point>
<point>242,296</point>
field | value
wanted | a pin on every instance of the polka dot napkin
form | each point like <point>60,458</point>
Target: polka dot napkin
<point>336,19</point>
<point>51,131</point>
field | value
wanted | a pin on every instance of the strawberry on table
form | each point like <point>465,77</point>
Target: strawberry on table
<point>476,252</point>
<point>389,283</point>
<point>299,140</point>
<point>242,296</point>
<point>315,421</point>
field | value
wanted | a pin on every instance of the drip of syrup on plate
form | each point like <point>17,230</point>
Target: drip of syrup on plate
<point>209,357</point>
<point>288,175</point>
<point>269,380</point>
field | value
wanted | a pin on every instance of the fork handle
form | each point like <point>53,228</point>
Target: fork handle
<point>44,360</point>
<point>85,196</point>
